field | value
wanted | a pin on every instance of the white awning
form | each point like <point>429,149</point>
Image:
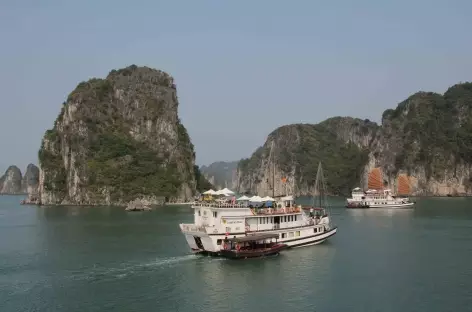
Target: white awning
<point>227,191</point>
<point>286,198</point>
<point>255,199</point>
<point>267,198</point>
<point>209,192</point>
<point>243,198</point>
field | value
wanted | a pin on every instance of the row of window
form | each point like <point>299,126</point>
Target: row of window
<point>268,220</point>
<point>281,235</point>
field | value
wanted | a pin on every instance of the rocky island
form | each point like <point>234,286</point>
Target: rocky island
<point>118,140</point>
<point>13,182</point>
<point>428,138</point>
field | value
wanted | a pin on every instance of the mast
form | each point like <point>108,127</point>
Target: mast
<point>273,169</point>
<point>318,187</point>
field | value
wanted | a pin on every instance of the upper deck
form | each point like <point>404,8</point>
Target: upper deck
<point>278,210</point>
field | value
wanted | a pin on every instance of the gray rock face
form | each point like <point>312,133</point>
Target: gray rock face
<point>30,182</point>
<point>117,139</point>
<point>221,173</point>
<point>10,182</point>
<point>427,138</point>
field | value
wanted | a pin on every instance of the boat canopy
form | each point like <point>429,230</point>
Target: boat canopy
<point>244,197</point>
<point>209,192</point>
<point>227,191</point>
<point>255,199</point>
<point>267,198</point>
<point>252,238</point>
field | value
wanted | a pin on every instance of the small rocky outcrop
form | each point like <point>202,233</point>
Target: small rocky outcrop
<point>10,182</point>
<point>138,204</point>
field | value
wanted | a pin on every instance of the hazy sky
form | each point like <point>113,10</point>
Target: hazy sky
<point>242,68</point>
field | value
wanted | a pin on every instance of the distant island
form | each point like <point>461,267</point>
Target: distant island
<point>118,140</point>
<point>13,182</point>
<point>427,138</point>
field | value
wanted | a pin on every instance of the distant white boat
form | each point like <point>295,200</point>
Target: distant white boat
<point>377,199</point>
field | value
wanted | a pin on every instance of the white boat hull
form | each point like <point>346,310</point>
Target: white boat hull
<point>208,242</point>
<point>397,206</point>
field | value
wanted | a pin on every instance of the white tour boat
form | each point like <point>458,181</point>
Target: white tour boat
<point>377,199</point>
<point>213,222</point>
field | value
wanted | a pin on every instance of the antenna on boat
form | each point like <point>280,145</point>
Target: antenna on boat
<point>273,168</point>
<point>320,185</point>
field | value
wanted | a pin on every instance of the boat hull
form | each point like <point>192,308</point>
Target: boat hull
<point>208,248</point>
<point>245,254</point>
<point>396,206</point>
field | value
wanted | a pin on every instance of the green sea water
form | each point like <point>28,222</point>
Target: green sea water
<point>105,259</point>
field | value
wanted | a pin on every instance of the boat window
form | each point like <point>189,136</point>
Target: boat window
<point>290,234</point>
<point>228,229</point>
<point>267,219</point>
<point>284,235</point>
<point>315,230</point>
<point>218,241</point>
<point>204,212</point>
<point>215,214</point>
<point>199,213</point>
<point>297,233</point>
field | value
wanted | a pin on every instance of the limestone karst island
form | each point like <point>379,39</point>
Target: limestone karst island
<point>120,139</point>
<point>117,140</point>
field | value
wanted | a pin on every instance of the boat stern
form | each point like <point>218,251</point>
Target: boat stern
<point>198,239</point>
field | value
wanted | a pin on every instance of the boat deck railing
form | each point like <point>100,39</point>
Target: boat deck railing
<point>255,210</point>
<point>275,211</point>
<point>220,205</point>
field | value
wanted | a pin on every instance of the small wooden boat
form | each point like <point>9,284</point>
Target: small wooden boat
<point>251,246</point>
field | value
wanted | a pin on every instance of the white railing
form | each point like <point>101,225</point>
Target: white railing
<point>272,211</point>
<point>220,205</point>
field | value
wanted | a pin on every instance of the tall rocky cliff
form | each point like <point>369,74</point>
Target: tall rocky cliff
<point>30,181</point>
<point>117,139</point>
<point>14,183</point>
<point>428,137</point>
<point>221,173</point>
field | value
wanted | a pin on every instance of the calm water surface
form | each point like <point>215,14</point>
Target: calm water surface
<point>104,259</point>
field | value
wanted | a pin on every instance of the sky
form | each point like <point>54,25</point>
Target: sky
<point>242,68</point>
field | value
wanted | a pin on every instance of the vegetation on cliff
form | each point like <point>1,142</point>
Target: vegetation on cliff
<point>117,139</point>
<point>300,153</point>
<point>428,136</point>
